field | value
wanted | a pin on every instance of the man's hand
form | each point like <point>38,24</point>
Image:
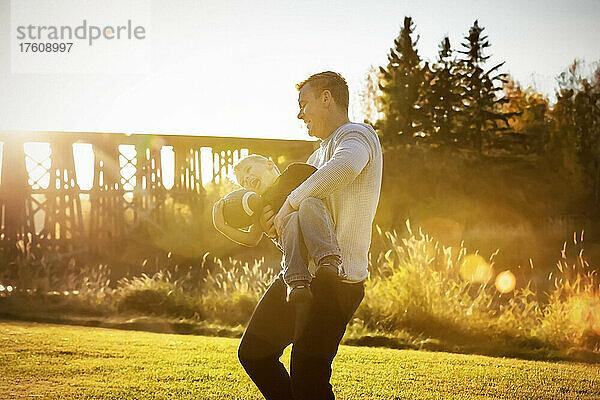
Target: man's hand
<point>267,221</point>
<point>284,211</point>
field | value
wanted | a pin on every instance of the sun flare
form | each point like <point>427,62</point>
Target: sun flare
<point>475,269</point>
<point>505,282</point>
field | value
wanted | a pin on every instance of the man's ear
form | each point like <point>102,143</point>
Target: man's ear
<point>326,97</point>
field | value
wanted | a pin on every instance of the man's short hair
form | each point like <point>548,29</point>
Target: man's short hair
<point>331,81</point>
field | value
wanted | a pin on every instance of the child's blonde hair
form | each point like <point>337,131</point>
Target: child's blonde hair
<point>252,158</point>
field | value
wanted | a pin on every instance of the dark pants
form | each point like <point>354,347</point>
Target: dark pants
<point>271,329</point>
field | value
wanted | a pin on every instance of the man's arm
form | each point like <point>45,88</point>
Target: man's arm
<point>349,158</point>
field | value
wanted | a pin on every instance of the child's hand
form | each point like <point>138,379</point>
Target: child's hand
<point>217,214</point>
<point>266,221</point>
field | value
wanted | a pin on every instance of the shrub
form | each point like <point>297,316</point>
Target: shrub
<point>227,295</point>
<point>155,295</point>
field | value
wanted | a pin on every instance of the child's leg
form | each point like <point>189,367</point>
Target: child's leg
<point>295,273</point>
<point>317,230</point>
<point>294,251</point>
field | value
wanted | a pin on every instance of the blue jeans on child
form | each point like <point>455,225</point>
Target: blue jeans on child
<point>307,234</point>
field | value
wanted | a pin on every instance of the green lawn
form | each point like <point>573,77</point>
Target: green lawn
<point>69,362</point>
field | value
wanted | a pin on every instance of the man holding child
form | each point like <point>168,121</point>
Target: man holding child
<point>343,192</point>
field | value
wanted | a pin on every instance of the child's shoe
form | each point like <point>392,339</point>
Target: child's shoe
<point>331,267</point>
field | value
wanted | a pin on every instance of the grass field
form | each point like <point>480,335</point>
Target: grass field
<point>69,362</point>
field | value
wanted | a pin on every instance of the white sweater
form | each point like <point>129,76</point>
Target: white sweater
<point>348,179</point>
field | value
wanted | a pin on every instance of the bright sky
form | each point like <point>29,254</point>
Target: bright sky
<point>228,68</point>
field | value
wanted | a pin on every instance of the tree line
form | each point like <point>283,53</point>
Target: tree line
<point>460,101</point>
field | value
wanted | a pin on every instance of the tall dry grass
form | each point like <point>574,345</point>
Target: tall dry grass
<point>417,289</point>
<point>223,291</point>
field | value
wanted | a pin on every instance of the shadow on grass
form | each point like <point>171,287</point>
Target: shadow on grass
<point>143,323</point>
<point>494,348</point>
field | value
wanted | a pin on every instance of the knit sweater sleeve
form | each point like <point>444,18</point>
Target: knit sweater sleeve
<point>348,160</point>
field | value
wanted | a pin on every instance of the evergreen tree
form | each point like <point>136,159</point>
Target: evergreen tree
<point>482,107</point>
<point>400,85</point>
<point>575,135</point>
<point>425,105</point>
<point>444,95</point>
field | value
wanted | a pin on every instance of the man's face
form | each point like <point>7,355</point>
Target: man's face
<point>257,175</point>
<point>313,111</point>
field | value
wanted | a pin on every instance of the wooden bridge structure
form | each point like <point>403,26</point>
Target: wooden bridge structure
<point>73,190</point>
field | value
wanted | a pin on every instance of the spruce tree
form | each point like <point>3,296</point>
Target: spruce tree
<point>426,104</point>
<point>445,96</point>
<point>400,85</point>
<point>482,112</point>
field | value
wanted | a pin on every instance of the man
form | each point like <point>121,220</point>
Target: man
<point>348,179</point>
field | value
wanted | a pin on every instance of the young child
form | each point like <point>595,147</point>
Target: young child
<point>306,233</point>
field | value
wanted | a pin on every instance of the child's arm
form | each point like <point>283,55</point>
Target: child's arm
<point>249,238</point>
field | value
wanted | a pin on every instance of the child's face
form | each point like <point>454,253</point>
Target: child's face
<point>257,175</point>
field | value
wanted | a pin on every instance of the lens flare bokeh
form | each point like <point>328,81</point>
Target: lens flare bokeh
<point>506,282</point>
<point>475,269</point>
<point>585,311</point>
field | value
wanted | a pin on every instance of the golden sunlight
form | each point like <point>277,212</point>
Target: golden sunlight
<point>167,163</point>
<point>475,269</point>
<point>38,163</point>
<point>505,282</point>
<point>595,314</point>
<point>40,167</point>
<point>83,157</point>
<point>585,311</point>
